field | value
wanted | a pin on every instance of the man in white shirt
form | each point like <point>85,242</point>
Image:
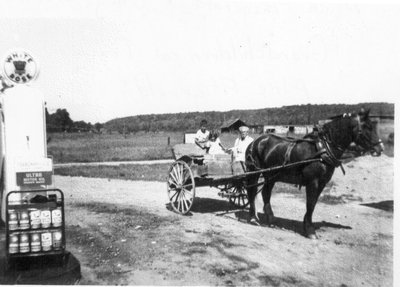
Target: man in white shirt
<point>202,136</point>
<point>241,144</point>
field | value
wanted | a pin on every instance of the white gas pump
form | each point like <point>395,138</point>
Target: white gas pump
<point>31,208</point>
<point>23,147</point>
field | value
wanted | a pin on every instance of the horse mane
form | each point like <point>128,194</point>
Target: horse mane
<point>295,140</point>
<point>338,119</point>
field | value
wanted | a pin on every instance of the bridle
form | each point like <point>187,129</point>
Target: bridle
<point>361,138</point>
<point>357,137</point>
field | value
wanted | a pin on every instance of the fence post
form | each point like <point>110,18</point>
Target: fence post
<point>168,140</point>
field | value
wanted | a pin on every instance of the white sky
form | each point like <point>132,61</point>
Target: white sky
<point>106,59</point>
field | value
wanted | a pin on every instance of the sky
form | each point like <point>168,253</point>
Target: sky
<point>109,59</point>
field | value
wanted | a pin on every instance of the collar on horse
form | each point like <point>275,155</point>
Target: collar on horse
<point>325,151</point>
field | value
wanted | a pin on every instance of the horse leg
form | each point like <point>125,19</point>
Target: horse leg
<point>251,194</point>
<point>313,191</point>
<point>266,194</point>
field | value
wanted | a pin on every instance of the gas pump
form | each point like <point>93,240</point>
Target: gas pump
<point>31,208</point>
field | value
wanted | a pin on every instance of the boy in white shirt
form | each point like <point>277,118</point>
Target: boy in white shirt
<point>202,136</point>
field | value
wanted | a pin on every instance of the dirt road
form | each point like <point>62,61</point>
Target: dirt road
<point>123,233</point>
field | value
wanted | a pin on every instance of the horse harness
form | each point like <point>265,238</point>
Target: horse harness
<point>324,151</point>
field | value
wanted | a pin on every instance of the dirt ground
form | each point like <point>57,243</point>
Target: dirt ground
<point>123,233</point>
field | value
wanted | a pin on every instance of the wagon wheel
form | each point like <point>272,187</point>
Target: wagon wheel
<point>239,197</point>
<point>181,187</point>
<point>241,200</point>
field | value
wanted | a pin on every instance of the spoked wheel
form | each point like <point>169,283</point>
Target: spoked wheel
<point>181,187</point>
<point>238,196</point>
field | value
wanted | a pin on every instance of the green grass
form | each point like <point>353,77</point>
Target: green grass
<point>89,147</point>
<point>86,147</point>
<point>154,172</point>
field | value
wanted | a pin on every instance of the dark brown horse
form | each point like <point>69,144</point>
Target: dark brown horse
<point>326,146</point>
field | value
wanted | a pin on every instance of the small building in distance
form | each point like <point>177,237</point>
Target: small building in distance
<point>232,126</point>
<point>275,129</point>
<point>256,128</point>
<point>288,130</point>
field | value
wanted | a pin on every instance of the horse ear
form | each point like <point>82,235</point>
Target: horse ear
<point>364,114</point>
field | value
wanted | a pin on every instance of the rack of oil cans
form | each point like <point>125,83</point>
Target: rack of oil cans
<point>35,227</point>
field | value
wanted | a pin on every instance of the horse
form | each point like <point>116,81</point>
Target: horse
<point>320,152</point>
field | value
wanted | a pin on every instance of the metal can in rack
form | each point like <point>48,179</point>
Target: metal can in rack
<point>13,246</point>
<point>12,219</point>
<point>24,220</point>
<point>35,242</point>
<point>56,217</point>
<point>34,215</point>
<point>24,243</point>
<point>57,239</point>
<point>46,238</point>
<point>45,218</point>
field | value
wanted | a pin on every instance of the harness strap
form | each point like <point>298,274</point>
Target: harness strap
<point>324,152</point>
<point>288,153</point>
<point>329,157</point>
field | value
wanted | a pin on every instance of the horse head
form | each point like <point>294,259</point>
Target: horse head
<point>365,134</point>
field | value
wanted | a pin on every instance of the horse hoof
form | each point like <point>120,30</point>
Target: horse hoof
<point>254,221</point>
<point>312,236</point>
<point>270,220</point>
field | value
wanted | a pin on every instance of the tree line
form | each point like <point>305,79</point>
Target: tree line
<point>286,115</point>
<point>60,121</point>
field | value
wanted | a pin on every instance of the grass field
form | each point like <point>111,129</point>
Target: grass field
<point>154,172</point>
<point>89,147</point>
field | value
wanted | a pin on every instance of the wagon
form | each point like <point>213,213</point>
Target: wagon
<point>194,168</point>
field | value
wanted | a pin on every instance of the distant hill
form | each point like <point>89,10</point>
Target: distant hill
<point>297,114</point>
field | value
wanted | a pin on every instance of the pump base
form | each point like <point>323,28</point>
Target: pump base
<point>45,270</point>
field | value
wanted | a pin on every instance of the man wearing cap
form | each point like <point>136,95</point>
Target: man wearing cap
<point>241,144</point>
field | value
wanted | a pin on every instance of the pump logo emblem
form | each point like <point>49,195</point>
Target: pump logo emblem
<point>20,68</point>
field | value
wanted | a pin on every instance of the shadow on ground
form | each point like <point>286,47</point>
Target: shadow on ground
<point>386,205</point>
<point>223,207</point>
<point>290,224</point>
<point>209,205</point>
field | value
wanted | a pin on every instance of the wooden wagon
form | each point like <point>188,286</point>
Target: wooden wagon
<point>194,168</point>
